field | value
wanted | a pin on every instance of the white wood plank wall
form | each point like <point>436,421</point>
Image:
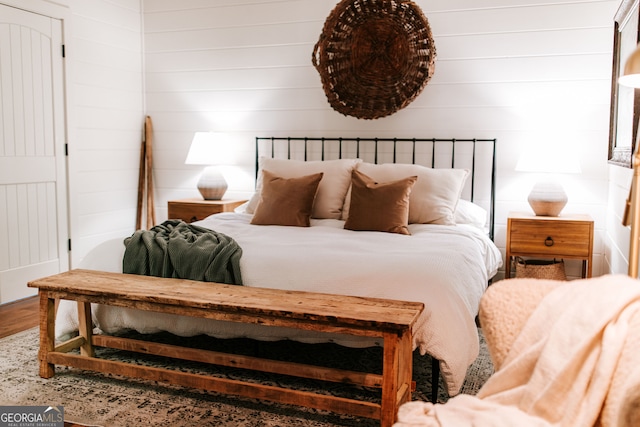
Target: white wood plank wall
<point>528,72</point>
<point>104,63</point>
<point>523,71</point>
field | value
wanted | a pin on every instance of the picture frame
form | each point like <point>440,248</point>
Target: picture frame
<point>625,101</point>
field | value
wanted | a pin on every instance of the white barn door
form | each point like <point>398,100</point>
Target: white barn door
<point>33,186</point>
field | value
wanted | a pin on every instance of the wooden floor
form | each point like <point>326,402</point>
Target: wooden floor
<point>18,316</point>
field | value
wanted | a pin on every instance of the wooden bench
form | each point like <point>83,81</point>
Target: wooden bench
<point>368,317</point>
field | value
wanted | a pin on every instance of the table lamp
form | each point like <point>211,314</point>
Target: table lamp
<point>631,77</point>
<point>209,148</point>
<point>547,197</point>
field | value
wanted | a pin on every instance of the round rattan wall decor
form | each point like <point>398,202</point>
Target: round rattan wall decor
<point>374,57</point>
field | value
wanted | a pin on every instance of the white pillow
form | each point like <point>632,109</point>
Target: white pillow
<point>332,190</point>
<point>242,208</point>
<point>470,213</point>
<point>434,196</point>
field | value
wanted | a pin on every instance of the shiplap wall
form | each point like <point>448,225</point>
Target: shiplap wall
<point>617,236</point>
<point>106,115</point>
<point>528,72</point>
<point>524,71</point>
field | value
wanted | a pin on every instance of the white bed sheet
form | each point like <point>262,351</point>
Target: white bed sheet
<point>445,267</point>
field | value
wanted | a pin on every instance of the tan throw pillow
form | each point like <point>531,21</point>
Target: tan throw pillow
<point>331,192</point>
<point>286,201</point>
<point>434,196</point>
<point>379,206</point>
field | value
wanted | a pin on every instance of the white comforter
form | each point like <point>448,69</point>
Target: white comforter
<point>445,267</point>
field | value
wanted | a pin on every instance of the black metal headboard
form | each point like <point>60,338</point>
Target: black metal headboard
<point>477,155</point>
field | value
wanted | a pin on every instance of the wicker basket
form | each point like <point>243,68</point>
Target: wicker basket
<point>539,269</point>
<point>374,57</point>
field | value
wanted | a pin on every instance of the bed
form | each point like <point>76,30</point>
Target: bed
<point>434,245</point>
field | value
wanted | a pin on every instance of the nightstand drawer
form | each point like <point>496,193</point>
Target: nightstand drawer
<point>540,238</point>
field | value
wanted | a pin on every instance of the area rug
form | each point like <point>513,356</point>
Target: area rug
<point>111,400</point>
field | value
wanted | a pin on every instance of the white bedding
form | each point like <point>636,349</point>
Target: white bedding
<point>445,267</point>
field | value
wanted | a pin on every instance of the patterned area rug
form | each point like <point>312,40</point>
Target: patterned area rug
<point>111,400</point>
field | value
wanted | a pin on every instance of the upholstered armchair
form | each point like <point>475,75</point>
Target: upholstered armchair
<point>511,309</point>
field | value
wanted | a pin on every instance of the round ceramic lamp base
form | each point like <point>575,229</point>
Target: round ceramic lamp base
<point>547,199</point>
<point>212,184</point>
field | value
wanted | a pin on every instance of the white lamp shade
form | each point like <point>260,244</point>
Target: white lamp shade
<point>209,148</point>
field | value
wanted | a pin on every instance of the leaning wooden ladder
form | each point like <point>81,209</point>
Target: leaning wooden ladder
<point>145,178</point>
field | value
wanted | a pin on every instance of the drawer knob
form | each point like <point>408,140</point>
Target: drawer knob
<point>548,241</point>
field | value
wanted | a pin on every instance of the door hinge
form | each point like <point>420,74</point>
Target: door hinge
<point>66,149</point>
<point>63,52</point>
<point>69,245</point>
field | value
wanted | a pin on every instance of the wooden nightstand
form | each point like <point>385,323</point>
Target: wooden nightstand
<point>565,236</point>
<point>196,209</point>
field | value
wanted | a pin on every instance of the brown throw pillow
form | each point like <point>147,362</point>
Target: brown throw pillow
<point>286,201</point>
<point>434,197</point>
<point>379,206</point>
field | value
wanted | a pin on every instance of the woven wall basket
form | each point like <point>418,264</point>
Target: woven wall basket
<point>374,56</point>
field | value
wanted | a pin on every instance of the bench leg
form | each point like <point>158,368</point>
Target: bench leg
<point>47,333</point>
<point>397,374</point>
<point>85,328</point>
<point>405,372</point>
